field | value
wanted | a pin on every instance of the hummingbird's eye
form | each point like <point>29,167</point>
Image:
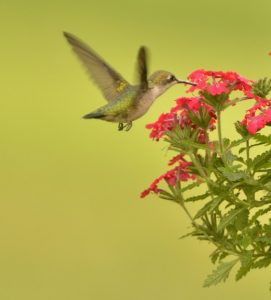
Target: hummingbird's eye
<point>171,78</point>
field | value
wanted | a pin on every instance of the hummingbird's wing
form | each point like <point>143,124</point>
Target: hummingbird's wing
<point>142,68</point>
<point>108,80</point>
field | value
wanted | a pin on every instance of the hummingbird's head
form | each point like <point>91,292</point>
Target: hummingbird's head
<point>162,80</point>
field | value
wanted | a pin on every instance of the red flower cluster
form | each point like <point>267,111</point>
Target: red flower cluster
<point>255,122</point>
<point>180,173</point>
<point>216,83</point>
<point>179,115</point>
<point>166,122</point>
<point>199,113</point>
<point>175,159</point>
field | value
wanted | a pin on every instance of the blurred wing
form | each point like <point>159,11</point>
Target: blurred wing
<point>108,80</point>
<point>142,68</point>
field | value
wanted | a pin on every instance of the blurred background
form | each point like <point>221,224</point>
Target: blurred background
<point>72,225</point>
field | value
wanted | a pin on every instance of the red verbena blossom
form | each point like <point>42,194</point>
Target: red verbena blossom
<point>171,177</point>
<point>165,122</point>
<point>216,83</point>
<point>193,105</point>
<point>175,159</point>
<point>194,113</point>
<point>254,121</point>
<point>179,116</point>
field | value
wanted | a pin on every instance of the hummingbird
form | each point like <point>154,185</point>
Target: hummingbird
<point>126,102</point>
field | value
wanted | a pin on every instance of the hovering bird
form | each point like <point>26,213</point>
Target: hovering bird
<point>126,102</point>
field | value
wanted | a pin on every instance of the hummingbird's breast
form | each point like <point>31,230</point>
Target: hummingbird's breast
<point>143,103</point>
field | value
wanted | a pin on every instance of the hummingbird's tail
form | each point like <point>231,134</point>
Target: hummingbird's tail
<point>93,115</point>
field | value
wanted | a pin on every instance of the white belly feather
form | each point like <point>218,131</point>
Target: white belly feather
<point>145,103</point>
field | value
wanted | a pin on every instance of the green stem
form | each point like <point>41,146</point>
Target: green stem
<point>248,156</point>
<point>201,171</point>
<point>198,227</point>
<point>182,203</point>
<point>247,149</point>
<point>208,151</point>
<point>188,213</point>
<point>198,166</point>
<point>220,139</point>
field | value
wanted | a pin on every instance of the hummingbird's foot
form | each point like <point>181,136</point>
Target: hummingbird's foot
<point>128,126</point>
<point>120,127</point>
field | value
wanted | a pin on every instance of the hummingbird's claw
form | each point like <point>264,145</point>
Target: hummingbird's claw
<point>126,126</point>
<point>120,126</point>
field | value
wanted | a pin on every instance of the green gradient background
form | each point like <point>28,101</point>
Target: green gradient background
<point>71,223</point>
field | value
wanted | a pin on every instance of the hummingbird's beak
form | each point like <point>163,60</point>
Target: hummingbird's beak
<point>186,82</point>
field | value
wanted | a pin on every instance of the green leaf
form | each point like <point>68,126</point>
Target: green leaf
<point>232,175</point>
<point>242,221</point>
<point>203,210</point>
<point>251,146</point>
<point>186,235</point>
<point>232,231</point>
<point>190,187</point>
<point>199,197</point>
<point>262,263</point>
<point>262,87</point>
<point>251,182</point>
<point>245,241</point>
<point>259,213</point>
<point>209,206</point>
<point>243,270</point>
<point>195,145</point>
<point>265,179</point>
<point>214,256</point>
<point>167,196</point>
<point>266,165</point>
<point>165,193</point>
<point>230,157</point>
<point>242,130</point>
<point>246,265</point>
<point>215,202</point>
<point>237,143</point>
<point>264,239</point>
<point>226,143</point>
<point>220,274</point>
<point>260,160</point>
<point>216,101</point>
<point>229,218</point>
<point>263,139</point>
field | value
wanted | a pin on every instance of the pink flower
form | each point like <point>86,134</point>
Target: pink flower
<point>171,177</point>
<point>255,122</point>
<point>217,82</point>
<point>180,115</point>
<point>268,115</point>
<point>164,123</point>
<point>192,103</point>
<point>217,88</point>
<point>175,159</point>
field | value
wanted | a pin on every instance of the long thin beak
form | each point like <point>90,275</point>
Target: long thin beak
<point>186,82</point>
